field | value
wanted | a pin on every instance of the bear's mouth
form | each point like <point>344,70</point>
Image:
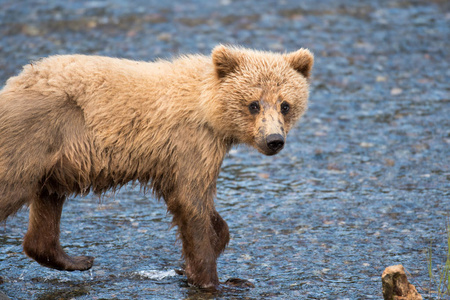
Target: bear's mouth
<point>269,152</point>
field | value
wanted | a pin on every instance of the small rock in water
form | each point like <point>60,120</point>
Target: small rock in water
<point>237,282</point>
<point>396,285</point>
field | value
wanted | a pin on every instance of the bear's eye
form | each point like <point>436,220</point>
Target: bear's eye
<point>285,107</point>
<point>254,107</point>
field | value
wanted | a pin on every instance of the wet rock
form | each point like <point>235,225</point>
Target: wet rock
<point>237,282</point>
<point>396,285</point>
<point>3,296</point>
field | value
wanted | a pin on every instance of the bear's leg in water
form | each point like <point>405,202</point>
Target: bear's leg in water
<point>197,234</point>
<point>41,241</point>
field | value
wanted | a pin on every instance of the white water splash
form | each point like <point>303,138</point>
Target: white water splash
<point>156,274</point>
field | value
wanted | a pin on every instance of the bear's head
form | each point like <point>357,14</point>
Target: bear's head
<point>261,95</point>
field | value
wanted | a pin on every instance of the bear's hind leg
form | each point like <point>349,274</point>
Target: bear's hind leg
<point>41,242</point>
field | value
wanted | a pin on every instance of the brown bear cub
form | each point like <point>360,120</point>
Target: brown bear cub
<point>73,124</point>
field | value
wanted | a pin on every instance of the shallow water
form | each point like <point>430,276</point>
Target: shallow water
<point>362,184</point>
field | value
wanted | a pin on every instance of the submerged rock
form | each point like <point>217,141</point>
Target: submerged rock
<point>396,285</point>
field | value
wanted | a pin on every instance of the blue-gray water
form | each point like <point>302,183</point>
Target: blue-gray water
<point>363,182</point>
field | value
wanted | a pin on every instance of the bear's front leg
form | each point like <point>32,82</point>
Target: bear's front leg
<point>203,240</point>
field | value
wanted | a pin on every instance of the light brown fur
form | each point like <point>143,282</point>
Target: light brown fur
<point>74,124</point>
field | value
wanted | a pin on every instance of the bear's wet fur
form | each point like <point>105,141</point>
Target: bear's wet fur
<point>75,124</point>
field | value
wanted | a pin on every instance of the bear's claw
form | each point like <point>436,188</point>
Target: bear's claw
<point>67,263</point>
<point>80,263</point>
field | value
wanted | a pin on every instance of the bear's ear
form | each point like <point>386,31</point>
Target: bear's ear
<point>302,61</point>
<point>225,60</point>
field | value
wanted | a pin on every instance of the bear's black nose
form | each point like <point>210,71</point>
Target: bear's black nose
<point>275,141</point>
